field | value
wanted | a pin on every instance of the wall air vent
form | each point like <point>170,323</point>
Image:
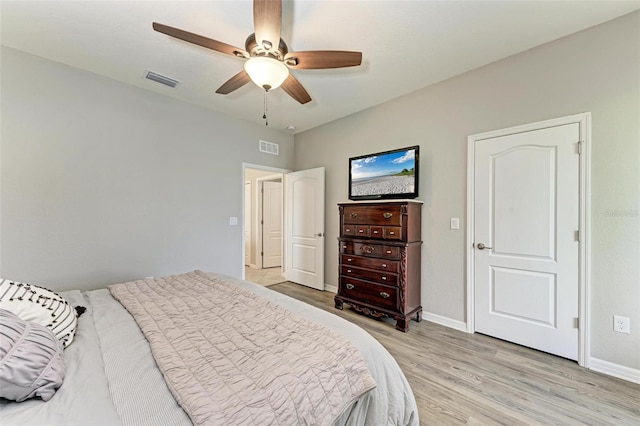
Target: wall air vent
<point>269,147</point>
<point>161,79</point>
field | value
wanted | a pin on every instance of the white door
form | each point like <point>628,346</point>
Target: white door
<point>271,224</point>
<point>526,250</point>
<point>247,223</point>
<point>304,218</point>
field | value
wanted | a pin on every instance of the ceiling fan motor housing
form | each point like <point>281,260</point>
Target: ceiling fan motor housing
<point>264,49</point>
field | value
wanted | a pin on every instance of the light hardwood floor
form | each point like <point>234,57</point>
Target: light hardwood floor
<point>264,277</point>
<point>460,378</point>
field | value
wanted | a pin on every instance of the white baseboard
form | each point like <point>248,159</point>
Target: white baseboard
<point>615,370</point>
<point>331,288</point>
<point>447,322</point>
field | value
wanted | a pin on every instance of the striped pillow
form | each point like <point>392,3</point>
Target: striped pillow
<point>41,306</point>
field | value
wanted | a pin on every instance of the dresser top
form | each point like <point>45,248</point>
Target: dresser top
<point>400,201</point>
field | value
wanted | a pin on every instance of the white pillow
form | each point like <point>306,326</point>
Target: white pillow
<point>41,306</point>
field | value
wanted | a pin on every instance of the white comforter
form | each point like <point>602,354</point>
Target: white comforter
<point>112,378</point>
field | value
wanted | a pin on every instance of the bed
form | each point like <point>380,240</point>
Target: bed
<point>113,378</point>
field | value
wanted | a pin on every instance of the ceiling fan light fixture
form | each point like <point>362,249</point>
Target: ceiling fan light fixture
<point>266,72</point>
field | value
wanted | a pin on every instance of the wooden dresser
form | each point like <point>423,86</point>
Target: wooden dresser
<point>379,259</point>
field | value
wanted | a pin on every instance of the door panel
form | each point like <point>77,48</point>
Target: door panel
<point>523,198</point>
<point>524,295</point>
<point>526,214</point>
<point>272,224</point>
<point>304,250</point>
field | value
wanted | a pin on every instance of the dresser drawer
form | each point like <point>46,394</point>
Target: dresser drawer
<point>376,250</point>
<point>376,231</point>
<point>392,233</point>
<point>363,231</point>
<point>357,231</point>
<point>349,230</point>
<point>374,294</point>
<point>370,275</point>
<point>391,266</point>
<point>370,250</point>
<point>373,215</point>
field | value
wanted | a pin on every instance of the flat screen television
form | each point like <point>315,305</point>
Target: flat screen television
<point>385,175</point>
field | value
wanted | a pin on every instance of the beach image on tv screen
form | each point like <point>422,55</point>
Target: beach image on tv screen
<point>392,173</point>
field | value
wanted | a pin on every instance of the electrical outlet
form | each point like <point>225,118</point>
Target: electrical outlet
<point>621,324</point>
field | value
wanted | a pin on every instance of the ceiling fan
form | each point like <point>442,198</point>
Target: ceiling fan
<point>268,59</point>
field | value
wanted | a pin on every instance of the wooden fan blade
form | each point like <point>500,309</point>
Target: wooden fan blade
<point>235,82</point>
<point>320,59</point>
<point>209,43</point>
<point>267,23</point>
<point>294,89</point>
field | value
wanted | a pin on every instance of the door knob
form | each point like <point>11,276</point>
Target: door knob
<point>481,246</point>
<point>320,234</point>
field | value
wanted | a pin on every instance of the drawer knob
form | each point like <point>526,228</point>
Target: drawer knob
<point>361,231</point>
<point>349,259</point>
<point>384,265</point>
<point>354,214</point>
<point>388,251</point>
<point>375,232</point>
<point>344,247</point>
<point>392,233</point>
<point>384,294</point>
<point>384,278</point>
<point>387,215</point>
<point>348,270</point>
<point>347,229</point>
<point>350,287</point>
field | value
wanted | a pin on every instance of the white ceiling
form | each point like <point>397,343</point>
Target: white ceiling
<point>406,45</point>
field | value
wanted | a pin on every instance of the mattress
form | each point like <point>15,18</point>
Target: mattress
<point>112,377</point>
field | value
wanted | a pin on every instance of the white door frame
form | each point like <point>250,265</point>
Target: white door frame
<point>584,273</point>
<point>246,220</point>
<point>244,167</point>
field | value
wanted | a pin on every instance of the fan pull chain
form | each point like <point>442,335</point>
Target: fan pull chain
<point>266,109</point>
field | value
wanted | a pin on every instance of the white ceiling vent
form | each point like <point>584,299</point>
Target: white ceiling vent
<point>161,79</point>
<point>269,147</point>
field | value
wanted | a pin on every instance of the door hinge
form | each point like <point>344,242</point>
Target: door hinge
<point>262,222</point>
<point>261,253</point>
<point>577,236</point>
<point>576,323</point>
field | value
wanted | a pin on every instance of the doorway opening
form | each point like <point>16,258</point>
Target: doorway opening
<point>263,221</point>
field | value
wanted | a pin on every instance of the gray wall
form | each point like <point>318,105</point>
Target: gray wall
<point>103,182</point>
<point>597,70</point>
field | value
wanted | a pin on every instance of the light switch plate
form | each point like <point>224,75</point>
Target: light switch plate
<point>233,220</point>
<point>455,223</point>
